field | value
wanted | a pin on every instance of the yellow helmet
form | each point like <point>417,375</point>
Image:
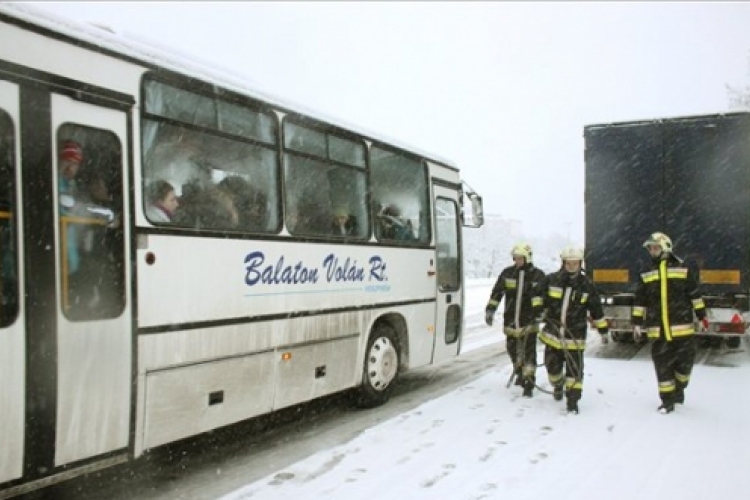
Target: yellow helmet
<point>522,250</point>
<point>660,239</point>
<point>571,253</point>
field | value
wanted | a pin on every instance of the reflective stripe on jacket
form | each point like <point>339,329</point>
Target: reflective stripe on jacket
<point>666,298</point>
<point>522,288</point>
<point>567,305</point>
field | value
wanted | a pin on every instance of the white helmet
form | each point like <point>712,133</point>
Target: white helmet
<point>660,239</point>
<point>522,250</point>
<point>571,253</point>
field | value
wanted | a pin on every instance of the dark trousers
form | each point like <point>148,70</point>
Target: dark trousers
<point>556,360</point>
<point>522,352</point>
<point>673,362</point>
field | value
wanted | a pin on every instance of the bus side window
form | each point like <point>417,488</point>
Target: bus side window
<point>399,186</point>
<point>91,242</point>
<point>325,183</point>
<point>224,167</point>
<point>8,256</point>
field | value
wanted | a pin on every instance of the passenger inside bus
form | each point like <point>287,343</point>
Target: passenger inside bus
<point>344,224</point>
<point>100,203</point>
<point>71,157</point>
<point>8,275</point>
<point>296,220</point>
<point>8,278</point>
<point>206,207</point>
<point>8,264</point>
<point>69,163</point>
<point>307,218</point>
<point>101,247</point>
<point>392,225</point>
<point>162,202</point>
<point>249,203</point>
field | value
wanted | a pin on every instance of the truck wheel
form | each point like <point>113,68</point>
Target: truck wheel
<point>380,369</point>
<point>733,342</point>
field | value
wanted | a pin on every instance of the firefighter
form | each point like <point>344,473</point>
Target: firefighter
<point>522,285</point>
<point>570,298</point>
<point>666,301</point>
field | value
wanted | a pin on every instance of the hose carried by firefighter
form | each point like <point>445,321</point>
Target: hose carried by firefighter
<point>562,330</point>
<point>520,357</point>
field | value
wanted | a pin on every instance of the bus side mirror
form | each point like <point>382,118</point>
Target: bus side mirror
<point>477,211</point>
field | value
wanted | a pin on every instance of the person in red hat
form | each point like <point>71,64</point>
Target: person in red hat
<point>69,163</point>
<point>71,157</point>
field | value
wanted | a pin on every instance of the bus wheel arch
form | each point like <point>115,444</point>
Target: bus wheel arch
<point>385,356</point>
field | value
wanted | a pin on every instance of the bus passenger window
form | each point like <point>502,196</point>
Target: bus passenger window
<point>326,195</point>
<point>401,194</point>
<point>223,168</point>
<point>90,195</point>
<point>8,256</point>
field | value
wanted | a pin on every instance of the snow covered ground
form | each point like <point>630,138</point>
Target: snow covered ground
<point>484,441</point>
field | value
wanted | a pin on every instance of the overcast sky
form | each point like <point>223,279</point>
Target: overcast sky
<point>503,89</point>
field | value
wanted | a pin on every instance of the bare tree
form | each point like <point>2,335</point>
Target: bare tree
<point>739,98</point>
<point>487,249</point>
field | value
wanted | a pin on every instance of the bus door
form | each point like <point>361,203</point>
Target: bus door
<point>449,274</point>
<point>88,350</point>
<point>11,289</point>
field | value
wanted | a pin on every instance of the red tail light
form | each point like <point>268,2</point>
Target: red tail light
<point>737,325</point>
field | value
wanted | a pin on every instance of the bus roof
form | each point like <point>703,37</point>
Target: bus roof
<point>154,54</point>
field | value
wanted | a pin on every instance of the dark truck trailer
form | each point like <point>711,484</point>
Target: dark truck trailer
<point>687,177</point>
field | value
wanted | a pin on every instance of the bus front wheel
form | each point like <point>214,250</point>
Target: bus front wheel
<point>380,369</point>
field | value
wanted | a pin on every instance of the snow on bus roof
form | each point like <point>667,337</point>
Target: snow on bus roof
<point>154,53</point>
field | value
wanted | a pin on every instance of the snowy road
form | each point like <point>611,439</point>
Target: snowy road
<point>455,431</point>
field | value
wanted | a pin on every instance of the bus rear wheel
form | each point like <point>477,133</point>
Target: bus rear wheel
<point>380,370</point>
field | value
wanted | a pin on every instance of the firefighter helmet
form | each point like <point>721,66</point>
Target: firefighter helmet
<point>571,253</point>
<point>522,250</point>
<point>661,240</point>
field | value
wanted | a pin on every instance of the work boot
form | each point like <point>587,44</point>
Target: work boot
<point>666,408</point>
<point>558,393</point>
<point>519,378</point>
<point>572,406</point>
<point>528,389</point>
<point>679,396</point>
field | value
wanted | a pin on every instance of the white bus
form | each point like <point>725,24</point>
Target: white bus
<point>181,253</point>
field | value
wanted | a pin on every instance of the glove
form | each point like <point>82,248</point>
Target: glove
<point>489,315</point>
<point>703,326</point>
<point>637,333</point>
<point>605,338</point>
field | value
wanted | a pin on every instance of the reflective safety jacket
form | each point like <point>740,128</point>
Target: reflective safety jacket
<point>666,298</point>
<point>567,304</point>
<point>522,288</point>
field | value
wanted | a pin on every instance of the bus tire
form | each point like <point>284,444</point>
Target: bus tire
<point>381,366</point>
